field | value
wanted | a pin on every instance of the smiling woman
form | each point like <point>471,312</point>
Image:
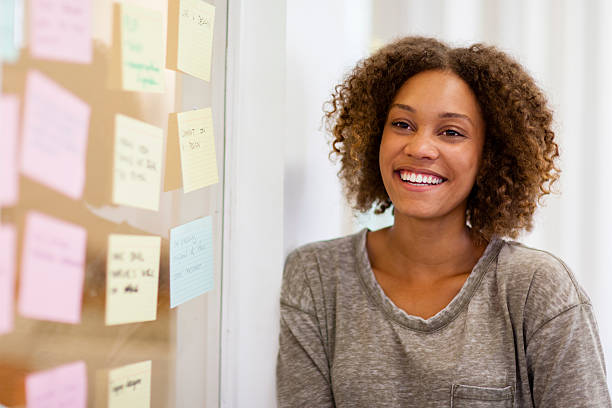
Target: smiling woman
<point>439,310</point>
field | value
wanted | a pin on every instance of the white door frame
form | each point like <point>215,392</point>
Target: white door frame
<point>253,201</point>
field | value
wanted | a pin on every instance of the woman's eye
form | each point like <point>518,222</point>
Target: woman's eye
<point>451,132</point>
<point>400,124</point>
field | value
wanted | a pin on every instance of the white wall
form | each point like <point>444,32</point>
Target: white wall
<point>324,40</point>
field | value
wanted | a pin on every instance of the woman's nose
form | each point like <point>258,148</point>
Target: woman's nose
<point>421,145</point>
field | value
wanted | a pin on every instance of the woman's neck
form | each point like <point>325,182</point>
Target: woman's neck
<point>425,249</point>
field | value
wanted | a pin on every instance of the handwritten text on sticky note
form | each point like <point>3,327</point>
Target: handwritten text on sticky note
<point>9,177</point>
<point>52,269</point>
<point>142,49</point>
<point>191,260</point>
<point>61,30</point>
<point>60,387</point>
<point>132,277</point>
<point>7,277</point>
<point>130,386</point>
<point>138,161</point>
<point>55,128</point>
<point>194,37</point>
<point>197,149</point>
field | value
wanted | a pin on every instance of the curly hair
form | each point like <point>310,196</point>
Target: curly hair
<point>519,154</point>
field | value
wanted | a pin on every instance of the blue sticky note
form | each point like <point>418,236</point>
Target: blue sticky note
<point>8,42</point>
<point>191,260</point>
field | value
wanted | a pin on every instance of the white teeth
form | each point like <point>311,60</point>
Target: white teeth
<point>420,178</point>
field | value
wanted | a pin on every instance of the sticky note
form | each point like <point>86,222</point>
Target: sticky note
<point>190,37</point>
<point>61,387</point>
<point>141,48</point>
<point>191,260</point>
<point>9,177</point>
<point>52,269</point>
<point>130,386</point>
<point>132,276</point>
<point>9,24</point>
<point>61,30</point>
<point>55,128</point>
<point>197,149</point>
<point>7,277</point>
<point>137,163</point>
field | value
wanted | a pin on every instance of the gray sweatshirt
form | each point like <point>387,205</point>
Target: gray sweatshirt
<point>520,333</point>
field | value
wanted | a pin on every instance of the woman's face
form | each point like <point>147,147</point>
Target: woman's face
<point>431,146</point>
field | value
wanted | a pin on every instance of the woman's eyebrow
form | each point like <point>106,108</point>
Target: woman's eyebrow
<point>404,107</point>
<point>456,115</point>
<point>442,115</point>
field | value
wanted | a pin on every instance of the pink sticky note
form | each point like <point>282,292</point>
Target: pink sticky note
<point>61,387</point>
<point>52,269</point>
<point>7,278</point>
<point>55,126</point>
<point>61,30</point>
<point>9,118</point>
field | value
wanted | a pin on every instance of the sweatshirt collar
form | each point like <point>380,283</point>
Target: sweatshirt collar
<point>443,317</point>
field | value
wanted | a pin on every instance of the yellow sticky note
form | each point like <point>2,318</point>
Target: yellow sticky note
<point>142,49</point>
<point>197,149</point>
<point>130,386</point>
<point>190,37</point>
<point>132,277</point>
<point>137,163</point>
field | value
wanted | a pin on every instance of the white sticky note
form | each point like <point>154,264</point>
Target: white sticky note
<point>197,149</point>
<point>138,161</point>
<point>191,260</point>
<point>142,49</point>
<point>130,386</point>
<point>132,278</point>
<point>190,37</point>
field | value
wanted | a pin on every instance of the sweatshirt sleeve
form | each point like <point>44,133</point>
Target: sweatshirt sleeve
<point>565,361</point>
<point>566,364</point>
<point>302,369</point>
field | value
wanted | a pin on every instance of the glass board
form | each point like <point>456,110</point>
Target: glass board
<point>182,343</point>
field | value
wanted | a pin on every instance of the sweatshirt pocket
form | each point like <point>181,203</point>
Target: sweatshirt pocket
<point>464,396</point>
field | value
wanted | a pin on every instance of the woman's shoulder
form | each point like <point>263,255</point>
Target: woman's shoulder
<point>311,268</point>
<point>542,268</point>
<point>327,248</point>
<point>321,256</point>
<point>540,284</point>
